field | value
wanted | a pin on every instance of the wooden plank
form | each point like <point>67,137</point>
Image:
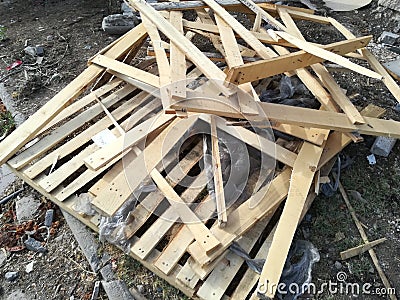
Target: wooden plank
<point>308,47</point>
<point>66,129</point>
<point>244,217</point>
<point>85,136</point>
<point>296,115</point>
<point>300,183</point>
<point>178,59</point>
<point>364,236</point>
<point>234,58</point>
<point>264,38</point>
<point>218,180</point>
<point>81,103</point>
<point>127,70</point>
<point>245,34</point>
<point>111,200</point>
<point>145,208</point>
<point>349,253</point>
<point>201,233</point>
<point>124,143</point>
<point>163,66</point>
<point>265,16</point>
<point>153,235</point>
<point>250,278</point>
<point>337,94</point>
<point>171,255</point>
<point>265,68</point>
<point>209,69</point>
<point>375,64</point>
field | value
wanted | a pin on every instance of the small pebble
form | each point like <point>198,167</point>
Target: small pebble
<point>11,276</point>
<point>338,265</point>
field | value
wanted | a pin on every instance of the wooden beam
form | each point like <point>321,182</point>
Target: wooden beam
<point>121,187</point>
<point>124,143</point>
<point>310,48</point>
<point>269,67</point>
<point>200,232</point>
<point>375,64</point>
<point>298,116</point>
<point>127,70</point>
<point>209,69</point>
<point>349,253</point>
<point>300,183</point>
<point>218,180</point>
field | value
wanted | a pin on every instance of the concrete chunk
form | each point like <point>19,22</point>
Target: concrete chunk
<point>389,38</point>
<point>119,24</point>
<point>383,145</point>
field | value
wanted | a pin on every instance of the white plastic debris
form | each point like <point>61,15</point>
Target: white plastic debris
<point>371,159</point>
<point>29,267</point>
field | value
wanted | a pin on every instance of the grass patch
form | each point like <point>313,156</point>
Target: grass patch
<point>7,123</point>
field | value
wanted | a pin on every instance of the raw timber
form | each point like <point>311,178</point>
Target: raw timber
<point>150,119</point>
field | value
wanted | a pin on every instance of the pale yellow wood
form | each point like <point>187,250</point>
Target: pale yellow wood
<point>244,217</point>
<point>146,207</point>
<point>77,105</point>
<point>177,59</point>
<point>201,233</point>
<point>375,64</point>
<point>125,142</point>
<point>51,181</point>
<point>308,47</point>
<point>26,131</point>
<point>234,58</point>
<point>226,270</point>
<point>218,180</point>
<point>265,68</point>
<point>265,16</point>
<point>121,188</point>
<point>300,182</point>
<point>66,129</point>
<point>257,23</point>
<point>300,116</point>
<point>163,66</point>
<point>337,94</point>
<point>349,253</point>
<point>209,69</point>
<point>153,235</point>
<point>127,70</point>
<point>245,34</point>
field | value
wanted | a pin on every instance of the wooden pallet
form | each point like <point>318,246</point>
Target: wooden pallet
<point>181,233</point>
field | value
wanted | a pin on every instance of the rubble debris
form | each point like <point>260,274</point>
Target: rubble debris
<point>11,276</point>
<point>383,145</point>
<point>48,218</point>
<point>29,267</point>
<point>371,159</point>
<point>3,256</point>
<point>389,38</point>
<point>393,4</point>
<point>393,68</point>
<point>397,107</point>
<point>14,65</point>
<point>26,208</point>
<point>119,24</point>
<point>34,245</point>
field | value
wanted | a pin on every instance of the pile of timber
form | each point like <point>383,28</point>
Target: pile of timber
<point>143,110</point>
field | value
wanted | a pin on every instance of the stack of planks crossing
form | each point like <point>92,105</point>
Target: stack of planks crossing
<point>140,111</point>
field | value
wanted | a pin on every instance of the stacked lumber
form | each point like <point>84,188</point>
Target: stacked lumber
<point>142,111</point>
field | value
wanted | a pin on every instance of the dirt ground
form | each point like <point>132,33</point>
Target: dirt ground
<point>70,32</point>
